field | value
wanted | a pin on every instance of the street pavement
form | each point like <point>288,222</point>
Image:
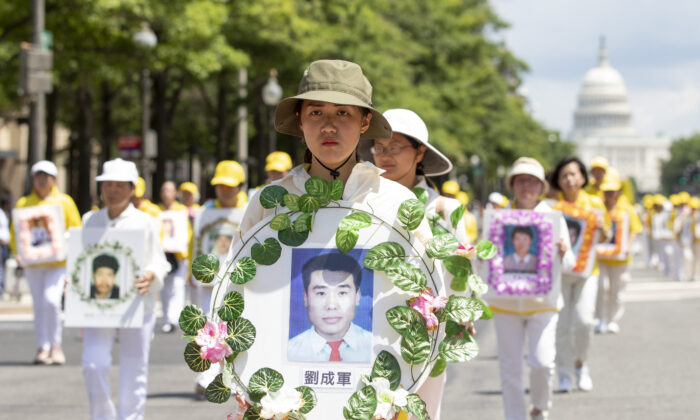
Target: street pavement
<point>647,371</point>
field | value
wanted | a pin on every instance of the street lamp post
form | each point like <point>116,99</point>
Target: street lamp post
<point>146,40</point>
<point>271,96</point>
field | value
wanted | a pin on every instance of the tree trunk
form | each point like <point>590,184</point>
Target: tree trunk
<point>85,126</point>
<point>107,128</point>
<point>260,153</point>
<point>51,108</point>
<point>222,116</point>
<point>160,89</point>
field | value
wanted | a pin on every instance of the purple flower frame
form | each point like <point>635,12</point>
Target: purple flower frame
<point>518,284</point>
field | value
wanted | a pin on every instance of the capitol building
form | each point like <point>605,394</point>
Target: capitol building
<point>603,127</point>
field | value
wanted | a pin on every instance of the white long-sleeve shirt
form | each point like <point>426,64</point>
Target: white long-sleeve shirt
<point>154,258</point>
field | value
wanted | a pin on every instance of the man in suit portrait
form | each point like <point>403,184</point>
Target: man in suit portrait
<point>104,274</point>
<point>521,261</point>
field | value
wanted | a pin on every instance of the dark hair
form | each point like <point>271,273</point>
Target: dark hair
<point>332,262</point>
<point>522,229</point>
<point>572,224</point>
<point>416,145</point>
<point>105,260</point>
<point>555,173</point>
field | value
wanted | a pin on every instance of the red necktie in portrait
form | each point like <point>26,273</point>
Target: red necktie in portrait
<point>335,352</point>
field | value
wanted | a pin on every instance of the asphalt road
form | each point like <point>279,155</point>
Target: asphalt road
<point>647,371</point>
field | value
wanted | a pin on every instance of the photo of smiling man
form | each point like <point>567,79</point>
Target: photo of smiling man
<point>104,274</point>
<point>335,305</point>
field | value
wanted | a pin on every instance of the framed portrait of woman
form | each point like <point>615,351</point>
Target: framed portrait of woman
<point>39,234</point>
<point>616,249</point>
<point>583,233</point>
<point>174,230</point>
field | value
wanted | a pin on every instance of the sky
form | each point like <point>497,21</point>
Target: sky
<point>655,45</point>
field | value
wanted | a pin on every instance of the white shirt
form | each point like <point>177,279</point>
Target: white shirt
<point>4,228</point>
<point>154,259</point>
<point>311,347</point>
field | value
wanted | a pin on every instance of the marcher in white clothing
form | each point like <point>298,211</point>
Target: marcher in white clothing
<point>117,186</point>
<point>530,316</point>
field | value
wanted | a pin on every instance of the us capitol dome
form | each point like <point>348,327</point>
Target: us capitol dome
<point>603,127</point>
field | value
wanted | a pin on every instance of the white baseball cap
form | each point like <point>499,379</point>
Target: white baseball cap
<point>119,170</point>
<point>409,124</point>
<point>46,167</point>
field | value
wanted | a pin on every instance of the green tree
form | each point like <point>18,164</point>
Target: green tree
<point>681,172</point>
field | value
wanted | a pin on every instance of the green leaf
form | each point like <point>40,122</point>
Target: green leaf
<point>319,188</point>
<point>336,189</point>
<point>194,359</point>
<point>361,405</point>
<point>309,203</point>
<point>438,367</point>
<point>416,406</point>
<point>253,413</point>
<point>205,267</point>
<point>280,222</point>
<point>308,396</point>
<point>291,201</point>
<point>407,277</point>
<point>345,240</point>
<point>458,284</point>
<point>265,380</point>
<point>217,392</point>
<point>241,334</point>
<point>421,195</point>
<point>384,255</point>
<point>355,221</point>
<point>487,311</point>
<point>458,349</point>
<point>411,213</point>
<point>272,195</point>
<point>192,319</point>
<point>303,223</point>
<point>232,306</point>
<point>453,328</point>
<point>463,309</point>
<point>458,266</point>
<point>457,215</point>
<point>386,366</point>
<point>266,253</point>
<point>415,347</point>
<point>290,237</point>
<point>485,249</point>
<point>404,319</point>
<point>477,285</point>
<point>442,246</point>
<point>243,270</point>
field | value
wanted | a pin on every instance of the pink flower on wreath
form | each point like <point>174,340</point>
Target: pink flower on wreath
<point>467,251</point>
<point>427,303</point>
<point>212,339</point>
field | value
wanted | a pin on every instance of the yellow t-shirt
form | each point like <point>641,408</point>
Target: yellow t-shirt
<point>71,215</point>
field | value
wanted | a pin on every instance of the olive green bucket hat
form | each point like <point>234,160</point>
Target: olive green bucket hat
<point>335,81</point>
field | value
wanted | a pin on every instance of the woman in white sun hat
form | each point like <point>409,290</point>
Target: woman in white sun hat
<point>408,158</point>
<point>531,316</point>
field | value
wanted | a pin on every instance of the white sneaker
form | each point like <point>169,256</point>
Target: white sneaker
<point>584,381</point>
<point>564,384</point>
<point>601,328</point>
<point>613,328</point>
<point>167,328</point>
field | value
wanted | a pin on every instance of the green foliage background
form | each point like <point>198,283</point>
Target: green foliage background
<point>432,57</point>
<point>682,171</point>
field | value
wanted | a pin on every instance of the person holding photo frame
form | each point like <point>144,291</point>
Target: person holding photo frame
<point>577,317</point>
<point>46,281</point>
<point>333,113</point>
<point>609,307</point>
<point>117,183</point>
<point>529,315</point>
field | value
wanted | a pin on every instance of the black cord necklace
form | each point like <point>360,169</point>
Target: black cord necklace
<point>334,172</point>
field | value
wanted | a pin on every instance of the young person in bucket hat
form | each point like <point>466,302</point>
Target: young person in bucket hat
<point>531,316</point>
<point>333,114</point>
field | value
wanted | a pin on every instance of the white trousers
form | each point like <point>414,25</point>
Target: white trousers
<point>511,331</point>
<point>575,326</point>
<point>134,346</point>
<point>612,281</point>
<point>46,285</point>
<point>660,246</point>
<point>688,261</point>
<point>172,295</point>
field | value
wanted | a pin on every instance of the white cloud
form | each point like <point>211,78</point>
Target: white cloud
<point>653,44</point>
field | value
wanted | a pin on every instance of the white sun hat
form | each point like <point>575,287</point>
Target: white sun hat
<point>119,170</point>
<point>46,167</point>
<point>526,166</point>
<point>409,124</point>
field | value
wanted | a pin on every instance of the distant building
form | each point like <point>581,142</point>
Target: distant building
<point>603,127</point>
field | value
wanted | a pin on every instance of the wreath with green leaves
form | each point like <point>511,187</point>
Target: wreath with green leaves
<point>89,252</point>
<point>293,220</point>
